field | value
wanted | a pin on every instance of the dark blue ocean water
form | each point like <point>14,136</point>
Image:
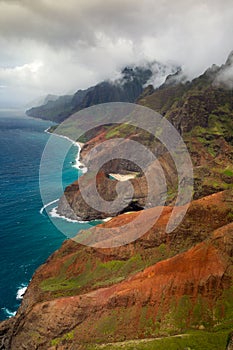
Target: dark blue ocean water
<point>27,237</point>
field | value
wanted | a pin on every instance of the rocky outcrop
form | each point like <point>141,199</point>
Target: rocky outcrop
<point>74,206</point>
<point>162,283</point>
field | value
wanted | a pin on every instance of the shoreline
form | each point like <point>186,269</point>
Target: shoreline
<point>78,165</point>
<point>79,144</point>
<point>54,214</point>
<point>48,205</point>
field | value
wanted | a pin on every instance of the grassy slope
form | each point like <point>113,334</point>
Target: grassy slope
<point>198,340</point>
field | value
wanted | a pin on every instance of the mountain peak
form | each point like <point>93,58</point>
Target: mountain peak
<point>229,60</point>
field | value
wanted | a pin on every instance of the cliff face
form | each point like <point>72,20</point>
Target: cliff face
<point>191,103</point>
<point>201,110</point>
<point>73,205</point>
<point>211,152</point>
<point>159,285</point>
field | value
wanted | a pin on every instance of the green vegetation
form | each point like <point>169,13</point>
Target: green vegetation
<point>228,172</point>
<point>185,315</point>
<point>122,130</point>
<point>224,310</point>
<point>198,325</point>
<point>66,337</point>
<point>107,326</point>
<point>95,274</point>
<point>202,314</point>
<point>197,340</point>
<point>52,128</point>
<point>213,153</point>
<point>219,124</point>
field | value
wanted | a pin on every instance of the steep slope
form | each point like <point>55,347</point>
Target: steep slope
<point>162,284</point>
<point>211,152</point>
<point>201,110</point>
<point>126,89</point>
<point>53,110</point>
<point>189,104</point>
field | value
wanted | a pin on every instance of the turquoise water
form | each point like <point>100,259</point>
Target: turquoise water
<point>27,236</point>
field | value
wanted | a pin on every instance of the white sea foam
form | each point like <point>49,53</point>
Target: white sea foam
<point>21,291</point>
<point>47,130</point>
<point>63,136</point>
<point>77,165</point>
<point>54,214</point>
<point>48,205</point>
<point>8,312</point>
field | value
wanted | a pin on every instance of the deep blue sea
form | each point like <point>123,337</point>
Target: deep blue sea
<point>27,237</point>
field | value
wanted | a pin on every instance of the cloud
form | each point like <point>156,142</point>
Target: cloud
<point>78,43</point>
<point>225,76</point>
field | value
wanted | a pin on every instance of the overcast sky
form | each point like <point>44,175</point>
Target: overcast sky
<point>55,46</point>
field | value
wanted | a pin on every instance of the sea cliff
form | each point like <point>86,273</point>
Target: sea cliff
<point>176,286</point>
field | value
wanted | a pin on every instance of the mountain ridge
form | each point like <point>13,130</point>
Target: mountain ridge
<point>127,88</point>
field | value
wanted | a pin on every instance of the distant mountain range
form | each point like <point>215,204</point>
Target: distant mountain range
<point>156,85</point>
<point>41,101</point>
<point>125,89</point>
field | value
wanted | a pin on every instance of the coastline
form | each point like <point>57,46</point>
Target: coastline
<point>79,144</point>
<point>54,214</point>
<point>78,165</point>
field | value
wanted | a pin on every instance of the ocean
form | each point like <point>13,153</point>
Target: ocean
<point>27,234</point>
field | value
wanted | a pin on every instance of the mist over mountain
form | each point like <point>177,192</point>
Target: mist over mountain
<point>225,73</point>
<point>41,101</point>
<point>134,83</point>
<point>127,87</point>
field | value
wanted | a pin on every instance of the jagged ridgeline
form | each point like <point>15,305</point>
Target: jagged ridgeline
<point>127,88</point>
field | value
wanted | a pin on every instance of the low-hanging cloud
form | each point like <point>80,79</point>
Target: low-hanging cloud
<point>225,75</point>
<point>50,46</point>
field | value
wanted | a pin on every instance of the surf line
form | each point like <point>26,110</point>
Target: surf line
<point>47,205</point>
